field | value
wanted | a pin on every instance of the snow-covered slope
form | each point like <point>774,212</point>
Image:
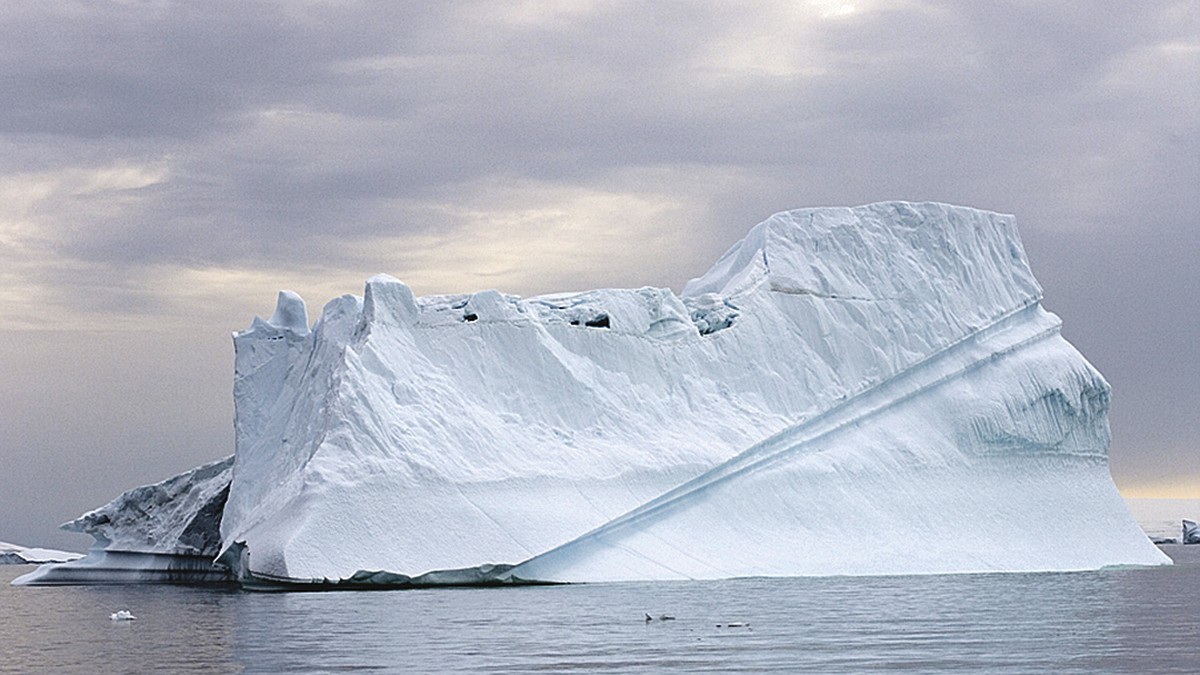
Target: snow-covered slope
<point>881,364</point>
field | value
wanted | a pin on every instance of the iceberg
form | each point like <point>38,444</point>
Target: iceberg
<point>1191,532</point>
<point>888,363</point>
<point>15,554</point>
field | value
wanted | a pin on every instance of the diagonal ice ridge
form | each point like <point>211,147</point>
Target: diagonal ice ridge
<point>855,445</point>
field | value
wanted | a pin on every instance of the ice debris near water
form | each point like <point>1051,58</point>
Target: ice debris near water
<point>167,532</point>
<point>888,363</point>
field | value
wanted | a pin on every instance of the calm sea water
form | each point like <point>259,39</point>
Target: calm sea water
<point>1120,620</point>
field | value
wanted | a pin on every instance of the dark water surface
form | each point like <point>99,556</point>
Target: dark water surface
<point>1125,620</point>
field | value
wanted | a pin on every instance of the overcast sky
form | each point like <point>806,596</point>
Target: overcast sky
<point>166,167</point>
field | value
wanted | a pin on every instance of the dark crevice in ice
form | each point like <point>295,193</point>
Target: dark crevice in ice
<point>203,534</point>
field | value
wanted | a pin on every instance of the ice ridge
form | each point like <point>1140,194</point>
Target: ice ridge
<point>888,363</point>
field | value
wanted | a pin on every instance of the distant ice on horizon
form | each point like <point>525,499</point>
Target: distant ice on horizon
<point>1163,518</point>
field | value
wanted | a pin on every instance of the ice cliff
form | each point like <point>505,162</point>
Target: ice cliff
<point>887,364</point>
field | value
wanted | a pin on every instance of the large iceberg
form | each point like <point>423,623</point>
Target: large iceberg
<point>887,365</point>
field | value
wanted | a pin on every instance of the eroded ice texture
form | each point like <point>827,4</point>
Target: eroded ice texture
<point>179,515</point>
<point>165,532</point>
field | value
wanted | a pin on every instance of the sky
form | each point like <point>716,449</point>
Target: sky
<point>167,167</point>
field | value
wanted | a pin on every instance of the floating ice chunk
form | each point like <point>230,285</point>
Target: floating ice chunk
<point>122,615</point>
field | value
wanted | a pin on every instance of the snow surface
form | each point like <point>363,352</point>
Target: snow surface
<point>846,391</point>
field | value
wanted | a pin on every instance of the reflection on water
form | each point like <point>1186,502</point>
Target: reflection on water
<point>1135,620</point>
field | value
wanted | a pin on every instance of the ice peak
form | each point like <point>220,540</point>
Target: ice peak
<point>387,300</point>
<point>290,313</point>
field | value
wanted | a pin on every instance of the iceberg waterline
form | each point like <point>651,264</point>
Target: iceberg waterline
<point>886,364</point>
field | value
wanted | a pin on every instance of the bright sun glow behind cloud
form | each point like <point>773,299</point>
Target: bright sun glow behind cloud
<point>833,8</point>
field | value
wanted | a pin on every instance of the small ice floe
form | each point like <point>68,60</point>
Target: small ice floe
<point>735,624</point>
<point>664,617</point>
<point>122,615</point>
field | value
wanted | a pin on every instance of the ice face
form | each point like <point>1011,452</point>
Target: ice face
<point>1002,434</point>
<point>168,532</point>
